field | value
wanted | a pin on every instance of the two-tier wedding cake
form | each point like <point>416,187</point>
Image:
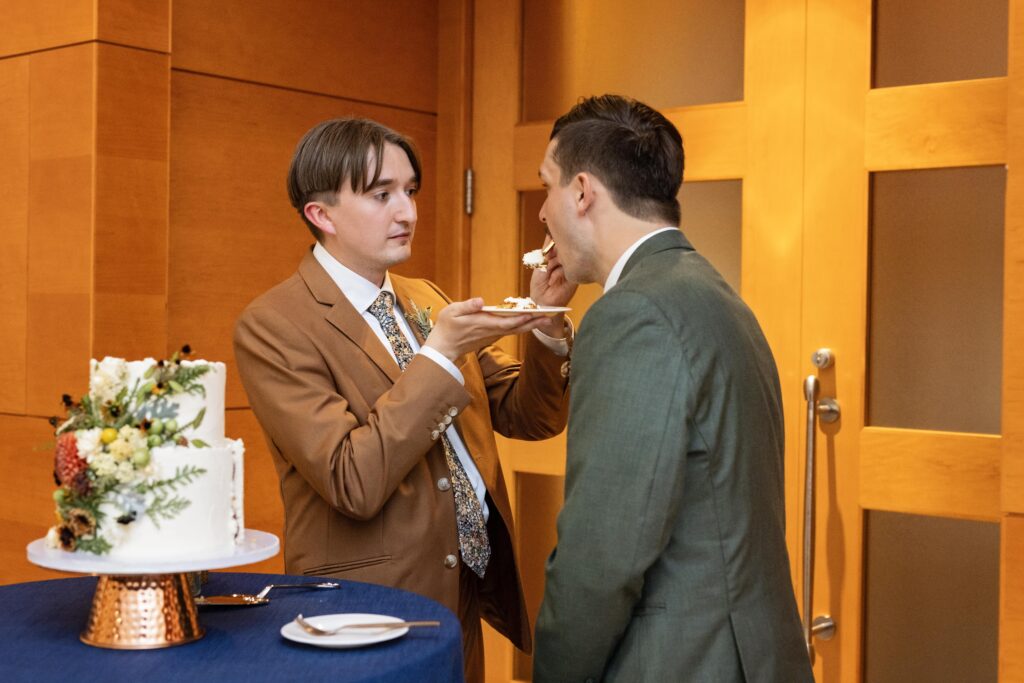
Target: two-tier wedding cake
<point>143,468</point>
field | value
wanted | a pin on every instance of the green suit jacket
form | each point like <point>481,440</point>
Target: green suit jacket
<point>671,563</point>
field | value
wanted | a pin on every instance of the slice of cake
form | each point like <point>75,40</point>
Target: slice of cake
<point>535,260</point>
<point>142,465</point>
<point>518,303</point>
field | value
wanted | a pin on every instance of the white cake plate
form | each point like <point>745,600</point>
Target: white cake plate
<point>146,604</point>
<point>258,545</point>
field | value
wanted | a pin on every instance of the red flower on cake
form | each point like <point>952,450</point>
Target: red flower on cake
<point>67,463</point>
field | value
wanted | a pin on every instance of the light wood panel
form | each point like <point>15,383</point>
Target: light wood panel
<point>960,123</point>
<point>930,473</point>
<point>233,232</point>
<point>666,53</point>
<point>772,211</point>
<point>382,52</point>
<point>833,273</point>
<point>454,145</point>
<point>14,175</point>
<point>61,193</point>
<point>496,64</point>
<point>715,137</point>
<point>132,172</point>
<point>1011,590</point>
<point>27,507</point>
<point>43,24</point>
<point>1013,278</point>
<point>138,23</point>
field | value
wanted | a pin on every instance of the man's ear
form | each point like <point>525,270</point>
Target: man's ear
<point>315,214</point>
<point>583,188</point>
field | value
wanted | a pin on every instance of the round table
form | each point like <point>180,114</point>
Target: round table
<point>40,623</point>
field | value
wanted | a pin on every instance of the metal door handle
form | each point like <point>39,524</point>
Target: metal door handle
<point>827,410</point>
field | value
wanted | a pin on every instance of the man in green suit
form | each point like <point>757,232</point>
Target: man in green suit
<point>671,562</point>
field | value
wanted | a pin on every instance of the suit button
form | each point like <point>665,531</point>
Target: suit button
<point>441,426</point>
<point>443,484</point>
<point>447,419</point>
<point>434,434</point>
<point>450,561</point>
<point>453,411</point>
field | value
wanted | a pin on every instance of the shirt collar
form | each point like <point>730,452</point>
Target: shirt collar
<point>360,292</point>
<point>616,271</point>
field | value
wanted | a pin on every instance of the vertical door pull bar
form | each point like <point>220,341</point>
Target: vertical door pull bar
<point>827,410</point>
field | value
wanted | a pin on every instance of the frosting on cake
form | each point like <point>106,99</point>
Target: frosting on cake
<point>519,303</point>
<point>143,466</point>
<point>535,260</point>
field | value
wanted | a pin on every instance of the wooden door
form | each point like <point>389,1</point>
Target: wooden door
<point>905,197</point>
<point>820,170</point>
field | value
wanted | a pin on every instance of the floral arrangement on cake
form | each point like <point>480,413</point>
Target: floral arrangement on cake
<point>102,458</point>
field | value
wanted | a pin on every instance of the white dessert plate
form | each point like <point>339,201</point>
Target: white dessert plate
<point>540,310</point>
<point>346,639</point>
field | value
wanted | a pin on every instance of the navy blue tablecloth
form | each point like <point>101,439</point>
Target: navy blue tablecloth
<point>40,623</point>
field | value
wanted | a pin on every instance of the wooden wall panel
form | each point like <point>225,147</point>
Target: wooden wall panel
<point>382,52</point>
<point>935,125</point>
<point>132,175</point>
<point>43,24</point>
<point>233,232</point>
<point>1011,590</point>
<point>60,200</point>
<point>264,510</point>
<point>26,508</point>
<point>930,473</point>
<point>139,23</point>
<point>14,174</point>
<point>454,84</point>
<point>1013,279</point>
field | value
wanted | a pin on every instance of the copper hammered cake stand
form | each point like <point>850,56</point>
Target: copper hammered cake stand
<point>143,605</point>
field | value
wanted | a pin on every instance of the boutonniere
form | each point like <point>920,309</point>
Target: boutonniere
<point>420,317</point>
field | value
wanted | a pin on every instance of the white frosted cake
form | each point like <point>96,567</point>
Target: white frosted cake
<point>143,466</point>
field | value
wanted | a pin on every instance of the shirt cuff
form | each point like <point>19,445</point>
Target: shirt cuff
<point>560,347</point>
<point>439,358</point>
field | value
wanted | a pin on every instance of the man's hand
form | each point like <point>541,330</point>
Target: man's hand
<point>461,327</point>
<point>550,288</point>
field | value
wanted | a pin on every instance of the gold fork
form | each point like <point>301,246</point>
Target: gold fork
<point>383,625</point>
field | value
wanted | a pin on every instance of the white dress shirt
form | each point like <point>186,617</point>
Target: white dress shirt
<point>361,293</point>
<point>616,271</point>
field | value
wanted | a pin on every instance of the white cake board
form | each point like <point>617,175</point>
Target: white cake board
<point>258,545</point>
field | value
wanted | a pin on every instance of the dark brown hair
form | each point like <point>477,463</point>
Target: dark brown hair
<point>632,149</point>
<point>338,150</point>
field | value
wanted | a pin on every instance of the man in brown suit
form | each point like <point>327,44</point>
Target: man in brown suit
<point>356,375</point>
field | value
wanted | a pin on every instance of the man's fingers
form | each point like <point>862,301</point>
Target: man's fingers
<point>467,307</point>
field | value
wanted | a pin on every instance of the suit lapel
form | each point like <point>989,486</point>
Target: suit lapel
<point>344,317</point>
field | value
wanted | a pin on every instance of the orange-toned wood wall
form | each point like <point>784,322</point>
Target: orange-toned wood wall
<point>142,196</point>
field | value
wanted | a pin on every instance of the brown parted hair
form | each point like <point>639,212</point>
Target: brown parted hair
<point>632,149</point>
<point>336,151</point>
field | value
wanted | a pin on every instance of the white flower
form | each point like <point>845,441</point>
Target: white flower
<point>106,378</point>
<point>104,465</point>
<point>88,443</point>
<point>120,450</point>
<point>125,473</point>
<point>53,538</point>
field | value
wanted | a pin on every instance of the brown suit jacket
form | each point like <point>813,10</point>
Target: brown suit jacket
<point>351,438</point>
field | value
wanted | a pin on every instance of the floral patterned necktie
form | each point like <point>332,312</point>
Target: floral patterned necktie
<point>473,544</point>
